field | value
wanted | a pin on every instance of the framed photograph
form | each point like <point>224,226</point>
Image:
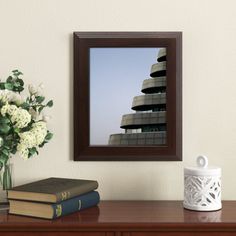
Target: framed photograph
<point>127,96</point>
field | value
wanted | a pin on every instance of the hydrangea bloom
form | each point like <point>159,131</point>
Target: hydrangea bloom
<point>5,95</point>
<point>18,116</point>
<point>32,138</point>
<point>22,151</point>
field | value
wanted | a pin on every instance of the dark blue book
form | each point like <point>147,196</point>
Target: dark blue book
<point>52,211</point>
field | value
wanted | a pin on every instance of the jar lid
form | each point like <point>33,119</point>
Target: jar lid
<point>202,168</point>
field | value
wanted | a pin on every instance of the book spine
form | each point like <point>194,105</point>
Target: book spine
<point>79,190</point>
<point>75,204</point>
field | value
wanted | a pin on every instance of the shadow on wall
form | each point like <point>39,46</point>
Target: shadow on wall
<point>71,125</point>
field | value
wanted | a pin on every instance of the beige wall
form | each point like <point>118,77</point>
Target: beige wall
<point>36,37</point>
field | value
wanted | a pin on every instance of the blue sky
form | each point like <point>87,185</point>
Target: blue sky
<point>116,76</point>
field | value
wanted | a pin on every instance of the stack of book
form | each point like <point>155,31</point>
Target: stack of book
<point>53,197</point>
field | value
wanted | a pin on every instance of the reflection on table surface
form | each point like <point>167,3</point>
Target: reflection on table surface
<point>131,212</point>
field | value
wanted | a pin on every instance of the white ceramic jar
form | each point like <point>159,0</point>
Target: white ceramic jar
<point>202,186</point>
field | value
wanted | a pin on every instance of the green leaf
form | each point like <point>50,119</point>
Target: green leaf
<point>17,130</point>
<point>5,151</point>
<point>20,81</point>
<point>8,86</point>
<point>4,120</point>
<point>50,103</point>
<point>42,144</point>
<point>39,99</point>
<point>25,105</point>
<point>7,148</point>
<point>14,150</point>
<point>4,128</point>
<point>16,84</point>
<point>32,151</point>
<point>2,85</point>
<point>9,79</point>
<point>49,136</point>
<point>17,73</point>
<point>40,109</point>
<point>18,89</point>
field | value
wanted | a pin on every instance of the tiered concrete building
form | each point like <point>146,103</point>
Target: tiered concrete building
<point>148,125</point>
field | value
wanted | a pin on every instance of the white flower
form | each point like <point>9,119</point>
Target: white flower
<point>5,95</point>
<point>40,90</point>
<point>4,110</point>
<point>36,90</point>
<point>33,113</point>
<point>46,118</point>
<point>23,151</point>
<point>41,86</point>
<point>10,96</point>
<point>20,117</point>
<point>39,129</point>
<point>28,139</point>
<point>32,89</point>
<point>32,138</point>
<point>17,98</point>
<point>9,109</point>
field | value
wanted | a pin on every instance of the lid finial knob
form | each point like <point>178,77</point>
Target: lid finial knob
<point>202,161</point>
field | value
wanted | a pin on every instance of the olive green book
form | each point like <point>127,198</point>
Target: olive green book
<point>52,190</point>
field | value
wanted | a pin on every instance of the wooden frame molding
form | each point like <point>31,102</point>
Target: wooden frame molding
<point>83,41</point>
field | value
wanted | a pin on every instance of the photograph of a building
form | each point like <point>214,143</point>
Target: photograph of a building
<point>147,125</point>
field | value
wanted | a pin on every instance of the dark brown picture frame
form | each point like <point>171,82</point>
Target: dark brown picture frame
<point>83,41</point>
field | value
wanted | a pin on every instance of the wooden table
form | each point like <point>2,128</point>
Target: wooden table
<point>128,218</point>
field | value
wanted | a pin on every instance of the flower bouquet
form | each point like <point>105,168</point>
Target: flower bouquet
<point>23,127</point>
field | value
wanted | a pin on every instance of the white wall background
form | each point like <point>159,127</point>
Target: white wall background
<point>36,37</point>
